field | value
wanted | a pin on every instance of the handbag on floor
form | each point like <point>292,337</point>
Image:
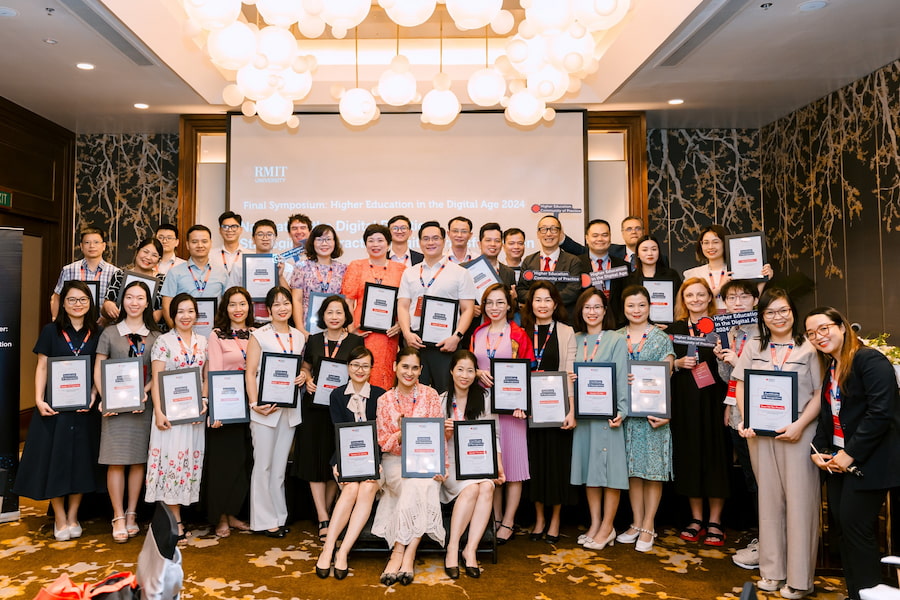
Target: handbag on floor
<point>119,586</point>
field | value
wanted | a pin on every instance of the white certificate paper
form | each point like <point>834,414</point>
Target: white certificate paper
<point>649,390</point>
<point>746,255</point>
<point>206,316</point>
<point>227,397</point>
<point>422,447</point>
<point>595,390</point>
<point>260,275</point>
<point>662,300</point>
<point>180,394</point>
<point>123,384</point>
<point>770,400</point>
<point>511,382</point>
<point>379,307</point>
<point>548,405</point>
<point>357,446</point>
<point>332,375</point>
<point>438,319</point>
<point>476,449</point>
<point>276,379</point>
<point>483,274</point>
<point>69,383</point>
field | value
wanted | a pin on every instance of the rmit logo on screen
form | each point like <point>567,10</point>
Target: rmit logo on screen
<point>270,174</point>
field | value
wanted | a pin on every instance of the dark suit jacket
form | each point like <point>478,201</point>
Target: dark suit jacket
<point>569,292</point>
<point>338,405</point>
<point>870,418</point>
<point>414,257</point>
<point>619,251</point>
<point>615,286</point>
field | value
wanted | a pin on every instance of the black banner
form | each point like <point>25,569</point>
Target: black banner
<point>10,315</point>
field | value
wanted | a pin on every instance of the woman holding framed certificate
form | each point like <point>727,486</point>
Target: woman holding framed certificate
<point>857,440</point>
<point>145,263</point>
<point>228,449</point>
<point>598,445</point>
<point>701,458</point>
<point>177,449</point>
<point>409,507</point>
<point>319,273</point>
<point>314,439</point>
<point>787,480</point>
<point>474,497</point>
<point>125,435</point>
<point>271,427</point>
<point>355,402</point>
<point>379,270</point>
<point>648,440</point>
<point>550,449</point>
<point>500,338</point>
<point>64,475</point>
<point>649,270</point>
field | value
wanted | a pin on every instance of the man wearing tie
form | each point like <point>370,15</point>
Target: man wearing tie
<point>552,258</point>
<point>597,237</point>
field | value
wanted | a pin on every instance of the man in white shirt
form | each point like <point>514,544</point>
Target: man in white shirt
<point>460,230</point>
<point>167,235</point>
<point>441,279</point>
<point>229,253</point>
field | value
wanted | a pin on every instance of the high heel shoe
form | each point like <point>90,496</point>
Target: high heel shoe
<point>135,528</point>
<point>61,535</point>
<point>535,536</point>
<point>322,573</point>
<point>406,577</point>
<point>596,545</point>
<point>388,579</point>
<point>341,573</point>
<point>500,540</point>
<point>473,572</point>
<point>452,572</point>
<point>629,538</point>
<point>645,546</point>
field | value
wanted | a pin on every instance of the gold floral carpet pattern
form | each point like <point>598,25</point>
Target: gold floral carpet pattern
<point>252,567</point>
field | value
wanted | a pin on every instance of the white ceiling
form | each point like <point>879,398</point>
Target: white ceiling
<point>755,65</point>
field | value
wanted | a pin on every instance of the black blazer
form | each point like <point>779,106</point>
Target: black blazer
<point>414,257</point>
<point>870,418</point>
<point>338,405</point>
<point>619,251</point>
<point>566,263</point>
<point>615,286</point>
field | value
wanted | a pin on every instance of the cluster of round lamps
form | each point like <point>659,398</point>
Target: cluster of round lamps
<point>554,48</point>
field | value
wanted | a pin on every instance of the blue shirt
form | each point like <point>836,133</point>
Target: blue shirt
<point>189,278</point>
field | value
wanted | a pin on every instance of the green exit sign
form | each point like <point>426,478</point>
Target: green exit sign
<point>5,199</point>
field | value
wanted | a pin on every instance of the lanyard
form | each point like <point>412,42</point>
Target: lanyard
<point>85,271</point>
<point>378,280</point>
<point>200,287</point>
<point>539,354</point>
<point>234,336</point>
<point>323,283</point>
<point>422,281</point>
<point>415,398</point>
<point>775,364</point>
<point>491,349</point>
<point>721,275</point>
<point>740,348</point>
<point>631,353</point>
<point>188,360</point>
<point>337,345</point>
<point>834,400</point>
<point>72,347</point>
<point>290,341</point>
<point>584,355</point>
<point>134,347</point>
<point>237,255</point>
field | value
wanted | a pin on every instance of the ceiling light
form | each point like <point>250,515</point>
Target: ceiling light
<point>811,5</point>
<point>676,101</point>
<point>50,41</point>
<point>85,66</point>
<point>141,106</point>
<point>6,11</point>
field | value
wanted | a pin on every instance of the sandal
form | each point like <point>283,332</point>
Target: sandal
<point>120,536</point>
<point>500,540</point>
<point>323,525</point>
<point>693,531</point>
<point>223,530</point>
<point>135,528</point>
<point>181,540</point>
<point>714,539</point>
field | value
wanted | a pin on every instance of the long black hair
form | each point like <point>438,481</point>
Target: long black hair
<point>223,321</point>
<point>147,315</point>
<point>475,398</point>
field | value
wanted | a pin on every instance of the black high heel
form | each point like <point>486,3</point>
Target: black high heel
<point>535,536</point>
<point>473,572</point>
<point>406,577</point>
<point>341,573</point>
<point>500,540</point>
<point>323,573</point>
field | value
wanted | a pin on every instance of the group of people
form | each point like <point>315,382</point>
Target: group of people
<point>848,420</point>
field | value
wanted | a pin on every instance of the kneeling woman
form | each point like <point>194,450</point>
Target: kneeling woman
<point>409,508</point>
<point>474,497</point>
<point>351,403</point>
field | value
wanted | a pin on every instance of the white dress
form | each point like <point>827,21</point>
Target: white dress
<point>175,461</point>
<point>452,487</point>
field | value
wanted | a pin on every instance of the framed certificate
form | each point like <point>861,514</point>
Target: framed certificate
<point>746,255</point>
<point>438,319</point>
<point>422,447</point>
<point>379,309</point>
<point>260,275</point>
<point>180,395</point>
<point>276,379</point>
<point>94,287</point>
<point>475,447</point>
<point>151,282</point>
<point>68,383</point>
<point>662,300</point>
<point>595,390</point>
<point>770,400</point>
<point>512,384</point>
<point>228,397</point>
<point>548,401</point>
<point>483,274</point>
<point>122,385</point>
<point>332,375</point>
<point>312,315</point>
<point>358,455</point>
<point>649,395</point>
<point>206,315</point>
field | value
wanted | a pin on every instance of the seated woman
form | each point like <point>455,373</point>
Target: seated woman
<point>474,497</point>
<point>409,508</point>
<point>354,402</point>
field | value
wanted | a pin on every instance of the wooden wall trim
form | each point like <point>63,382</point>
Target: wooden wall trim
<point>634,126</point>
<point>190,129</point>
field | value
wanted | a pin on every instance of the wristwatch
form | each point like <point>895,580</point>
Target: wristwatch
<point>459,335</point>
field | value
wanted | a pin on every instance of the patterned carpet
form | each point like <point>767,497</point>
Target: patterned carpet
<point>250,567</point>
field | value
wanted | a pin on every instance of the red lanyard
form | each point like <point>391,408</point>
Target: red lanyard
<point>323,283</point>
<point>491,349</point>
<point>237,255</point>
<point>188,359</point>
<point>640,347</point>
<point>584,355</point>
<point>135,348</point>
<point>85,271</point>
<point>834,400</point>
<point>422,281</point>
<point>337,346</point>
<point>197,284</point>
<point>372,273</point>
<point>290,341</point>
<point>740,348</point>
<point>775,364</point>
<point>72,347</point>
<point>539,354</point>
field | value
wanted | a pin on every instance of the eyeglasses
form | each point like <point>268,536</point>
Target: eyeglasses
<point>92,243</point>
<point>166,238</point>
<point>324,240</point>
<point>551,229</point>
<point>150,253</point>
<point>637,229</point>
<point>399,228</point>
<point>264,236</point>
<point>229,227</point>
<point>820,331</point>
<point>781,312</point>
<point>431,239</point>
<point>76,301</point>
<point>459,231</point>
<point>735,297</point>
<point>360,366</point>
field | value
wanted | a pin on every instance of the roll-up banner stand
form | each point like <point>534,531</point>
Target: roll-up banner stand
<point>10,315</point>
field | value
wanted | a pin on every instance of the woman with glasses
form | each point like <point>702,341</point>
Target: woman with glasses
<point>376,269</point>
<point>787,480</point>
<point>60,454</point>
<point>146,262</point>
<point>354,402</point>
<point>857,440</point>
<point>320,273</point>
<point>125,437</point>
<point>314,440</point>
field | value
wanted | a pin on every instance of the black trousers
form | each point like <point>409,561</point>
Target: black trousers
<point>435,368</point>
<point>855,516</point>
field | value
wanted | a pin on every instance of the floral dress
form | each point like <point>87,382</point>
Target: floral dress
<point>313,277</point>
<point>175,461</point>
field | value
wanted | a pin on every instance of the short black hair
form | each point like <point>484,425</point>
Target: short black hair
<point>460,218</point>
<point>178,299</point>
<point>597,222</point>
<point>320,315</point>
<point>265,223</point>
<point>92,230</point>
<point>428,224</point>
<point>396,218</point>
<point>743,285</point>
<point>489,227</point>
<point>228,214</point>
<point>198,227</point>
<point>168,227</point>
<point>317,232</point>
<point>513,231</point>
<point>376,228</point>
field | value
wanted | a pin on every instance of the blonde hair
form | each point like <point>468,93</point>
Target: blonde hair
<point>681,311</point>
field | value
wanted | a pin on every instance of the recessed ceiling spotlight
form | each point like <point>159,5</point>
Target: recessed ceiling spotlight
<point>142,106</point>
<point>6,11</point>
<point>85,66</point>
<point>50,41</point>
<point>766,5</point>
<point>676,101</point>
<point>811,5</point>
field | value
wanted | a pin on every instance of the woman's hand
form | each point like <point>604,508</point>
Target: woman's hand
<point>264,409</point>
<point>569,421</point>
<point>617,422</point>
<point>686,362</point>
<point>727,413</point>
<point>630,378</point>
<point>790,433</point>
<point>484,378</point>
<point>310,386</point>
<point>45,409</point>
<point>215,424</point>
<point>767,271</point>
<point>448,429</point>
<point>519,414</point>
<point>393,331</point>
<point>656,421</point>
<point>413,340</point>
<point>745,432</point>
<point>300,379</point>
<point>840,462</point>
<point>822,461</point>
<point>162,423</point>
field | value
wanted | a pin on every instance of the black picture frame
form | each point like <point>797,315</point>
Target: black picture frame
<point>753,378</point>
<point>246,275</point>
<point>489,444</point>
<point>219,395</point>
<point>642,390</point>
<point>411,454</point>
<point>584,386</point>
<point>290,362</point>
<point>560,380</point>
<point>368,432</point>
<point>731,242</point>
<point>374,292</point>
<point>151,282</point>
<point>431,305</point>
<point>135,368</point>
<point>521,369</point>
<point>77,371</point>
<point>183,415</point>
<point>206,307</point>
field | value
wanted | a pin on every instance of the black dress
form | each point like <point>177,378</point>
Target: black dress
<point>314,438</point>
<point>550,449</point>
<point>700,454</point>
<point>61,451</point>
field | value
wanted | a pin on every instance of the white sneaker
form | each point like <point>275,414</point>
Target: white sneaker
<point>794,594</point>
<point>747,558</point>
<point>769,585</point>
